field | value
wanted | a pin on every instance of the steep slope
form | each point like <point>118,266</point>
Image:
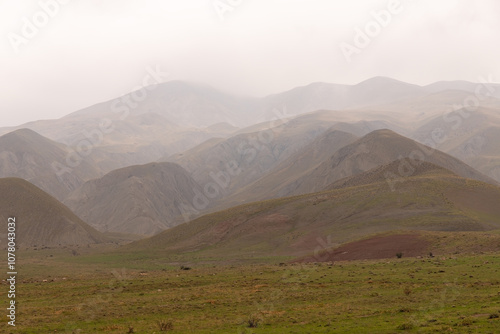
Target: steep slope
<point>143,199</point>
<point>377,148</point>
<point>391,174</point>
<point>298,164</point>
<point>245,157</point>
<point>241,160</point>
<point>301,225</point>
<point>41,220</point>
<point>28,155</point>
<point>470,135</point>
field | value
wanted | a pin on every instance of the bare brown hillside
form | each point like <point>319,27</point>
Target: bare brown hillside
<point>143,199</point>
<point>300,163</point>
<point>41,220</point>
<point>377,148</point>
<point>28,155</point>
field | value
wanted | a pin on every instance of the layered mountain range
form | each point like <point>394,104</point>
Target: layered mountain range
<point>272,173</point>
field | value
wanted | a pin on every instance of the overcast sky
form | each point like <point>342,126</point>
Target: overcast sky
<point>85,52</point>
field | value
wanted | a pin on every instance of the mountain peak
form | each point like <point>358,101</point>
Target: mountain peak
<point>383,134</point>
<point>381,79</point>
<point>23,133</point>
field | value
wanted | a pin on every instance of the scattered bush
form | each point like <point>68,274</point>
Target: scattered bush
<point>130,330</point>
<point>164,325</point>
<point>253,322</point>
<point>185,268</point>
<point>405,326</point>
<point>494,316</point>
<point>467,322</point>
<point>399,255</point>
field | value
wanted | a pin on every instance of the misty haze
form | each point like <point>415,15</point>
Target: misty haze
<point>228,166</point>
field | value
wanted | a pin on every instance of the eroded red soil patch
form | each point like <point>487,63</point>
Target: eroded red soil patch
<point>380,247</point>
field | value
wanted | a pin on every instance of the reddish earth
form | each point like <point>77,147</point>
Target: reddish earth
<point>379,247</point>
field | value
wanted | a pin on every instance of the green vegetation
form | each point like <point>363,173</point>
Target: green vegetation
<point>292,226</point>
<point>456,294</point>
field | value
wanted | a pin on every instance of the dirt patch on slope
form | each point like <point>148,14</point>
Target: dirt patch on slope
<point>379,247</point>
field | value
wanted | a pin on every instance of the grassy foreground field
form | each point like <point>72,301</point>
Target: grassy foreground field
<point>456,294</point>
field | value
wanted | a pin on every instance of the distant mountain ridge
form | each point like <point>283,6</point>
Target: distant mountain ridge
<point>172,117</point>
<point>186,105</point>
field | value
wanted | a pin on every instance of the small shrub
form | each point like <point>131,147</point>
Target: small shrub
<point>164,325</point>
<point>407,290</point>
<point>405,326</point>
<point>253,322</point>
<point>493,316</point>
<point>130,330</point>
<point>431,255</point>
<point>185,268</point>
<point>399,255</point>
<point>466,322</point>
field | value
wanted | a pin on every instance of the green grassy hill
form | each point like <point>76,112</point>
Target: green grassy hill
<point>436,200</point>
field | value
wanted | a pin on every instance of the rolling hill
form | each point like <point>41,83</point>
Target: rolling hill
<point>143,199</point>
<point>271,145</point>
<point>300,163</point>
<point>251,155</point>
<point>377,148</point>
<point>28,155</point>
<point>41,220</point>
<point>434,199</point>
<point>472,136</point>
<point>302,174</point>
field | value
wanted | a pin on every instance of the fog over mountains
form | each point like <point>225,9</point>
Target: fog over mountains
<point>155,158</point>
